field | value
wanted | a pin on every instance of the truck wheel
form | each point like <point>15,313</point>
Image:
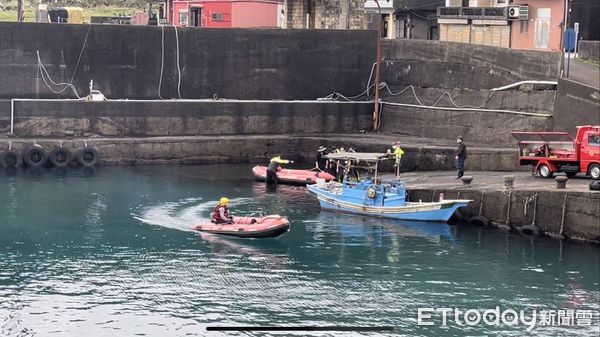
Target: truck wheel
<point>595,171</point>
<point>544,171</point>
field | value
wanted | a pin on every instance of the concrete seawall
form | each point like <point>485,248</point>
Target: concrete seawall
<point>420,154</point>
<point>56,118</point>
<point>571,213</point>
<point>437,64</point>
<point>126,61</point>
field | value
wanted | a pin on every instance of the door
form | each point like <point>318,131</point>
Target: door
<point>542,28</point>
<point>195,17</point>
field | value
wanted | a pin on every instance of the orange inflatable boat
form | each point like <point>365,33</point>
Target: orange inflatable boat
<point>292,176</point>
<point>247,227</point>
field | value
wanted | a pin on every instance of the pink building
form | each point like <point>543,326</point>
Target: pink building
<point>223,13</point>
<point>543,30</point>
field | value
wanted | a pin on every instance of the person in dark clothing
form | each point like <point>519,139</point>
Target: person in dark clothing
<point>273,167</point>
<point>321,160</point>
<point>461,156</point>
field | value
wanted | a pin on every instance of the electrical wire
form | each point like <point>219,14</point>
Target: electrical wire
<point>162,59</point>
<point>81,53</point>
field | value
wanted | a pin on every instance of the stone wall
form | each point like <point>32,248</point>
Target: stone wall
<point>59,118</point>
<point>258,149</point>
<point>437,64</point>
<point>581,209</point>
<point>589,50</point>
<point>296,13</point>
<point>326,14</point>
<point>482,127</point>
<point>125,61</point>
<point>576,104</point>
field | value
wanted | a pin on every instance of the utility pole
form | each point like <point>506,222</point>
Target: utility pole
<point>20,12</point>
<point>377,70</point>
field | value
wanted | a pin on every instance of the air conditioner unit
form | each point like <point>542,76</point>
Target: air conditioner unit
<point>513,12</point>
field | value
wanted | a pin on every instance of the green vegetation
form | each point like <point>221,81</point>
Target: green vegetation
<point>8,8</point>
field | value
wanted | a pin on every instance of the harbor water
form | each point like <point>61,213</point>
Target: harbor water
<point>109,252</point>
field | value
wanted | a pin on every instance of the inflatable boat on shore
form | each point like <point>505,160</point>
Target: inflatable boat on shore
<point>248,227</point>
<point>290,176</point>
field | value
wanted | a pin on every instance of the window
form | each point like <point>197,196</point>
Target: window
<point>542,28</point>
<point>524,26</point>
<point>217,16</point>
<point>594,140</point>
<point>183,18</point>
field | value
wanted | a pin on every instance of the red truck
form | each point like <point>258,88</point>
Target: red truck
<point>550,152</point>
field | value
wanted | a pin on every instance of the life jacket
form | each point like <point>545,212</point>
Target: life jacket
<point>217,215</point>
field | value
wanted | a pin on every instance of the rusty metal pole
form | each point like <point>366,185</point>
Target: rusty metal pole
<point>377,70</point>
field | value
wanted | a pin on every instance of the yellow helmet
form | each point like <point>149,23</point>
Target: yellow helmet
<point>224,201</point>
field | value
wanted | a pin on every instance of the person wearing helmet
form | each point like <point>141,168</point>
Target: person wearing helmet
<point>273,167</point>
<point>221,212</point>
<point>397,153</point>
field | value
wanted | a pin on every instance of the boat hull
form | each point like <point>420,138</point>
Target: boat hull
<point>290,176</point>
<point>430,211</point>
<point>267,227</point>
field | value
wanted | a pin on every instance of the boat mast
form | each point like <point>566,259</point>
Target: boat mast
<point>376,171</point>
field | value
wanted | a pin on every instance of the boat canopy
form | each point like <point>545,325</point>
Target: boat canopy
<point>358,156</point>
<point>525,137</point>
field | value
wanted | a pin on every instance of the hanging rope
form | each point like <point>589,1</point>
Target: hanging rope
<point>564,212</point>
<point>535,197</point>
<point>481,203</point>
<point>508,207</point>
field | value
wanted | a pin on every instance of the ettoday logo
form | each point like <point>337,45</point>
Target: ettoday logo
<point>508,317</point>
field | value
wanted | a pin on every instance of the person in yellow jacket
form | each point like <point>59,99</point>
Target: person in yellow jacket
<point>397,152</point>
<point>274,164</point>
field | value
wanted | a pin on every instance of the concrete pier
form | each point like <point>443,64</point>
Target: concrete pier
<point>421,154</point>
<point>571,213</point>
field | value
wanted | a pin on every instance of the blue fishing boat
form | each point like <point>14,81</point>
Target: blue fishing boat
<point>374,197</point>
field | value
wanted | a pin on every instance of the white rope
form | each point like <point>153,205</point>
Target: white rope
<point>508,207</point>
<point>46,77</point>
<point>178,67</point>
<point>564,212</point>
<point>534,209</point>
<point>162,59</point>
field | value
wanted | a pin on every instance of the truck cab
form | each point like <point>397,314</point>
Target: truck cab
<point>551,152</point>
<point>588,138</point>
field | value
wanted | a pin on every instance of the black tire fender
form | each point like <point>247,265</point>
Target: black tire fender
<point>35,156</point>
<point>11,158</point>
<point>88,156</point>
<point>479,221</point>
<point>60,157</point>
<point>529,230</point>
